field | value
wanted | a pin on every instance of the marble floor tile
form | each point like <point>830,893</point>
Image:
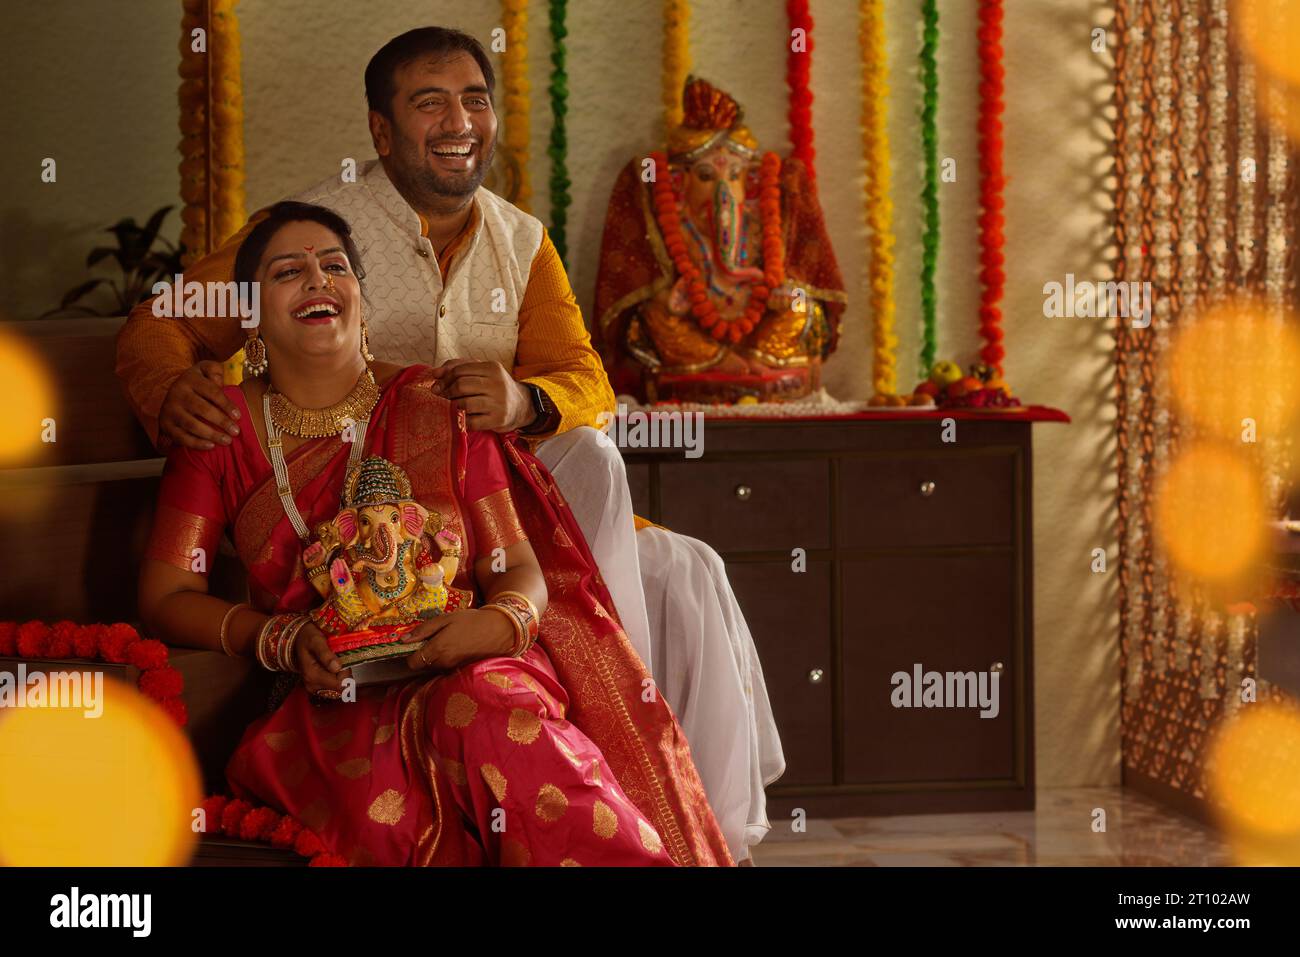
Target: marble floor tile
<point>1059,832</point>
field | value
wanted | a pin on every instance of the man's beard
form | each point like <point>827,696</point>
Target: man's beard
<point>416,177</point>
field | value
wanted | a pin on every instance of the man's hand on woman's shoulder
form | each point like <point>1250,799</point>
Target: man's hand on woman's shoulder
<point>196,413</point>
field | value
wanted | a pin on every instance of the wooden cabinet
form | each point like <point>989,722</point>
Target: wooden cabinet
<point>860,549</point>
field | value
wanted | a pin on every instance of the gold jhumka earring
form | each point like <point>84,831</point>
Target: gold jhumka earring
<point>254,356</point>
<point>365,341</point>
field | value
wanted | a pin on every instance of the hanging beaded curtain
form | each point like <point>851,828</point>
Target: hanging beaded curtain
<point>212,126</point>
<point>1191,219</point>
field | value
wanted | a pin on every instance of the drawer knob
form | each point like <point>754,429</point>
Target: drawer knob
<point>815,676</point>
<point>927,489</point>
<point>997,667</point>
<point>744,492</point>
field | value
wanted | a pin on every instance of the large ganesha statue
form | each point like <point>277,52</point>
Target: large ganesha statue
<point>717,279</point>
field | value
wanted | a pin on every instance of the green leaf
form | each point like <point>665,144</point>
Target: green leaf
<point>76,292</point>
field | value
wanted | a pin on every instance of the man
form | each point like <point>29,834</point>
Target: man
<point>460,279</point>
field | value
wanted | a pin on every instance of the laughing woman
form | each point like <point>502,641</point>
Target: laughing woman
<point>549,725</point>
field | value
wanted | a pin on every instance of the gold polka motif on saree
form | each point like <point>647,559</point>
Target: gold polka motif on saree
<point>496,781</point>
<point>385,733</point>
<point>514,854</point>
<point>498,679</point>
<point>604,822</point>
<point>569,862</point>
<point>455,771</point>
<point>280,741</point>
<point>561,537</point>
<point>338,741</point>
<point>460,710</point>
<point>316,814</point>
<point>353,768</point>
<point>524,726</point>
<point>649,837</point>
<point>388,808</point>
<point>551,803</point>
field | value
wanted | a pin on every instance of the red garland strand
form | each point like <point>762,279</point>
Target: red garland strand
<point>670,225</point>
<point>798,72</point>
<point>121,644</point>
<point>992,182</point>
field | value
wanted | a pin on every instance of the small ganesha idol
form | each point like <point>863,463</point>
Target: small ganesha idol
<point>375,569</point>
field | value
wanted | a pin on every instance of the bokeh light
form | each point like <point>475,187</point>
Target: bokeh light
<point>116,790</point>
<point>1233,364</point>
<point>1210,514</point>
<point>1267,33</point>
<point>29,399</point>
<point>1253,780</point>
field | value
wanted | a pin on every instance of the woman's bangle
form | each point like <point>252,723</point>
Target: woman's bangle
<point>222,633</point>
<point>524,606</point>
<point>520,638</point>
<point>275,639</point>
<point>289,642</point>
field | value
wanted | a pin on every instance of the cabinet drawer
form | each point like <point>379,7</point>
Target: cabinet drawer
<point>749,505</point>
<point>922,500</point>
<point>948,614</point>
<point>788,614</point>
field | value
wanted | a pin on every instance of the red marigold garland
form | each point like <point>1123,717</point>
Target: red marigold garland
<point>122,644</point>
<point>666,203</point>
<point>798,70</point>
<point>992,181</point>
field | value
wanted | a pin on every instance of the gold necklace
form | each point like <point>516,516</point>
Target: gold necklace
<point>318,423</point>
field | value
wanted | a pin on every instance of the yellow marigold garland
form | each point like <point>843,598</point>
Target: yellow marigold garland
<point>514,73</point>
<point>214,148</point>
<point>879,207</point>
<point>677,59</point>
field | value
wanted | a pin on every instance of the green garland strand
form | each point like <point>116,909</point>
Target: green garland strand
<point>559,143</point>
<point>930,191</point>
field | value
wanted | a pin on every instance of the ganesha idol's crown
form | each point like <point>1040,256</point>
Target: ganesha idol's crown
<point>376,481</point>
<point>709,116</point>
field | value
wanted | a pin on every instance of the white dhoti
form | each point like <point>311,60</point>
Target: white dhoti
<point>677,608</point>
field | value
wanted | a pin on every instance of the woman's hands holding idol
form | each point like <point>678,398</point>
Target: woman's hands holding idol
<point>460,637</point>
<point>320,668</point>
<point>488,393</point>
<point>196,413</point>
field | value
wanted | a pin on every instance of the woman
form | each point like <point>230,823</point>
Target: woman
<point>482,756</point>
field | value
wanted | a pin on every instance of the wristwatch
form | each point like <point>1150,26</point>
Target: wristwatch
<point>543,406</point>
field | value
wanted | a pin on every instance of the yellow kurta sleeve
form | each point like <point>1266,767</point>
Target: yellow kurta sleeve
<point>153,350</point>
<point>554,350</point>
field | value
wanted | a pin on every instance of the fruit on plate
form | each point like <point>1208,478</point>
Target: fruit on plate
<point>878,400</point>
<point>919,398</point>
<point>926,388</point>
<point>898,400</point>
<point>945,372</point>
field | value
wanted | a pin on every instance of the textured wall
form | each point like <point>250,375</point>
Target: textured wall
<point>110,109</point>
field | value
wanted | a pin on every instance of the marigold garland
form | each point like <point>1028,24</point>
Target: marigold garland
<point>121,644</point>
<point>798,71</point>
<point>676,59</point>
<point>666,204</point>
<point>879,208</point>
<point>514,78</point>
<point>930,187</point>
<point>558,149</point>
<point>212,127</point>
<point>992,182</point>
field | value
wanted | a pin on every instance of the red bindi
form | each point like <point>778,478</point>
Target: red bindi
<point>309,248</point>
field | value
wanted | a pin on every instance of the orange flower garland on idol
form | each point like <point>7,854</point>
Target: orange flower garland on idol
<point>666,204</point>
